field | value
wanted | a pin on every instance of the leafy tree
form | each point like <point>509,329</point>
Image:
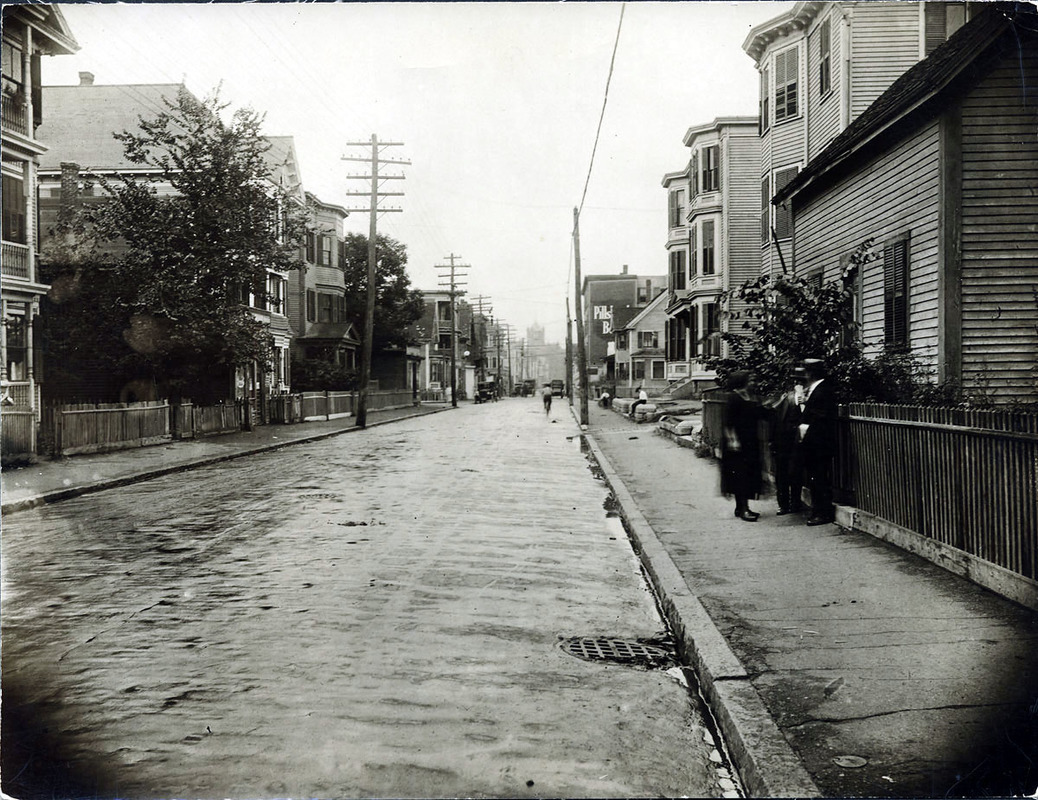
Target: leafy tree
<point>788,319</point>
<point>151,285</point>
<point>397,305</point>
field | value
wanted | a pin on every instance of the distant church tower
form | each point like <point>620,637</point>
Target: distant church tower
<point>535,335</point>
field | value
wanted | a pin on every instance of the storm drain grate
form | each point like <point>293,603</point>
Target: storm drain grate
<point>619,651</point>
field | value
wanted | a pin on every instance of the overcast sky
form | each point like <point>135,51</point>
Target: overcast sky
<point>497,106</point>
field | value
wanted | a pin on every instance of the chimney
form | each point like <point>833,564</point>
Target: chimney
<point>624,270</point>
<point>86,78</point>
<point>69,183</point>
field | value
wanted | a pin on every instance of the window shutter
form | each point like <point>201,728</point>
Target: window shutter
<point>695,173</point>
<point>311,305</point>
<point>935,25</point>
<point>895,292</point>
<point>672,210</point>
<point>693,328</point>
<point>311,248</point>
<point>36,82</point>
<point>783,213</point>
<point>765,90</point>
<point>693,254</point>
<point>765,210</point>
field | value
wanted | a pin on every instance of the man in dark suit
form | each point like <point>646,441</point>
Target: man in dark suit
<point>818,440</point>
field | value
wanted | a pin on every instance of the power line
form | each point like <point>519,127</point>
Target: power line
<point>605,99</point>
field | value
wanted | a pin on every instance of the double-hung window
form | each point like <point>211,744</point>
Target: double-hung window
<point>765,96</point>
<point>648,339</point>
<point>14,210</point>
<point>787,72</point>
<point>677,208</point>
<point>712,168</point>
<point>677,270</point>
<point>326,250</point>
<point>709,260</point>
<point>825,74</point>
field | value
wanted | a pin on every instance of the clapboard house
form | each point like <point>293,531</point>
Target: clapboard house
<point>941,174</point>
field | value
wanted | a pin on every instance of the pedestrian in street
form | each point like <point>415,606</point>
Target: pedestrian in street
<point>785,412</point>
<point>740,444</point>
<point>818,440</point>
<point>643,397</point>
<point>546,397</point>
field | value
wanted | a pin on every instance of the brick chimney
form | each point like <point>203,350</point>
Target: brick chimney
<point>86,78</point>
<point>624,270</point>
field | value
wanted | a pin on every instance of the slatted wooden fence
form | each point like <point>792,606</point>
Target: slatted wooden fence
<point>962,477</point>
<point>97,428</point>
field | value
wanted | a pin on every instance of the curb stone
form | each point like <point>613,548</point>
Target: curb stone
<point>148,474</point>
<point>764,759</point>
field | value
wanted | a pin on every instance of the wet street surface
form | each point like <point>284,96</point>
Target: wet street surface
<point>379,614</point>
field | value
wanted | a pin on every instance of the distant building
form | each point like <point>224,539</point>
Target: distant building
<point>29,32</point>
<point>711,245</point>
<point>603,298</point>
<point>439,322</point>
<point>640,352</point>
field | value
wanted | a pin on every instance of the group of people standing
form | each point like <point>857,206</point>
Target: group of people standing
<point>802,439</point>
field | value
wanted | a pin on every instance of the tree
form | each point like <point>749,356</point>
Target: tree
<point>397,305</point>
<point>152,285</point>
<point>789,319</point>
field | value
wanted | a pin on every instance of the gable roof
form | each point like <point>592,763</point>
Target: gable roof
<point>51,31</point>
<point>79,121</point>
<point>644,312</point>
<point>917,89</point>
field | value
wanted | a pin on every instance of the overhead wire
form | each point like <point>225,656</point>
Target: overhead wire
<point>605,100</point>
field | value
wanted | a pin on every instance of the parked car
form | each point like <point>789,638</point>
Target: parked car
<point>529,387</point>
<point>558,388</point>
<point>485,390</point>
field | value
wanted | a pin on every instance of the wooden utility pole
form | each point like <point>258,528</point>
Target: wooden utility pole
<point>569,355</point>
<point>454,268</point>
<point>480,338</point>
<point>373,209</point>
<point>581,351</point>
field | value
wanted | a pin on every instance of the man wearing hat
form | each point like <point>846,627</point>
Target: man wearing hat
<point>785,455</point>
<point>818,440</point>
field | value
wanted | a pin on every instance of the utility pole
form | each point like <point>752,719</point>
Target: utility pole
<point>454,268</point>
<point>581,352</point>
<point>511,380</point>
<point>373,209</point>
<point>482,335</point>
<point>569,355</point>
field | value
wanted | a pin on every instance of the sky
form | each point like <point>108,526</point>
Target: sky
<point>496,106</point>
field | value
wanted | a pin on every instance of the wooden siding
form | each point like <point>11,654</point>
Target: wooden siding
<point>893,194</point>
<point>884,44</point>
<point>824,110</point>
<point>1000,230</point>
<point>742,208</point>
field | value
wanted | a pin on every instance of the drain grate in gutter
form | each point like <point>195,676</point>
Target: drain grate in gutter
<point>619,651</point>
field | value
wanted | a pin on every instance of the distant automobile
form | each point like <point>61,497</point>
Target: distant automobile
<point>558,388</point>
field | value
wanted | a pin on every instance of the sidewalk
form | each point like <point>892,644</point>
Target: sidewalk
<point>51,481</point>
<point>836,664</point>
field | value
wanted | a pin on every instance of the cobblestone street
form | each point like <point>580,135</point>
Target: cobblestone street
<point>369,615</point>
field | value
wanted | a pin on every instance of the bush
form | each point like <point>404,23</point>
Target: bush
<point>315,375</point>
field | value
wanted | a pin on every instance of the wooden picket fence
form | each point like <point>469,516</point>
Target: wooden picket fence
<point>101,427</point>
<point>963,477</point>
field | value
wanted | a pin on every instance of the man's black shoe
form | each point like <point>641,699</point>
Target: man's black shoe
<point>783,511</point>
<point>819,521</point>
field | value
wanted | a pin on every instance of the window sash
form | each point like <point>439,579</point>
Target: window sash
<point>711,168</point>
<point>824,57</point>
<point>709,250</point>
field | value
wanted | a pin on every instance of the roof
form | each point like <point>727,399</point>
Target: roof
<point>50,30</point>
<point>652,306</point>
<point>796,19</point>
<point>282,163</point>
<point>79,121</point>
<point>915,91</point>
<point>717,124</point>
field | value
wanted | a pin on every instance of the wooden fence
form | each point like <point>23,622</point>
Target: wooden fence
<point>714,401</point>
<point>964,478</point>
<point>191,421</point>
<point>96,428</point>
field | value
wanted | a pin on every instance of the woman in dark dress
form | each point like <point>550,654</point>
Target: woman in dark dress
<point>740,445</point>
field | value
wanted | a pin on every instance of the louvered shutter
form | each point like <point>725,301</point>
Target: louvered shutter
<point>895,292</point>
<point>935,25</point>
